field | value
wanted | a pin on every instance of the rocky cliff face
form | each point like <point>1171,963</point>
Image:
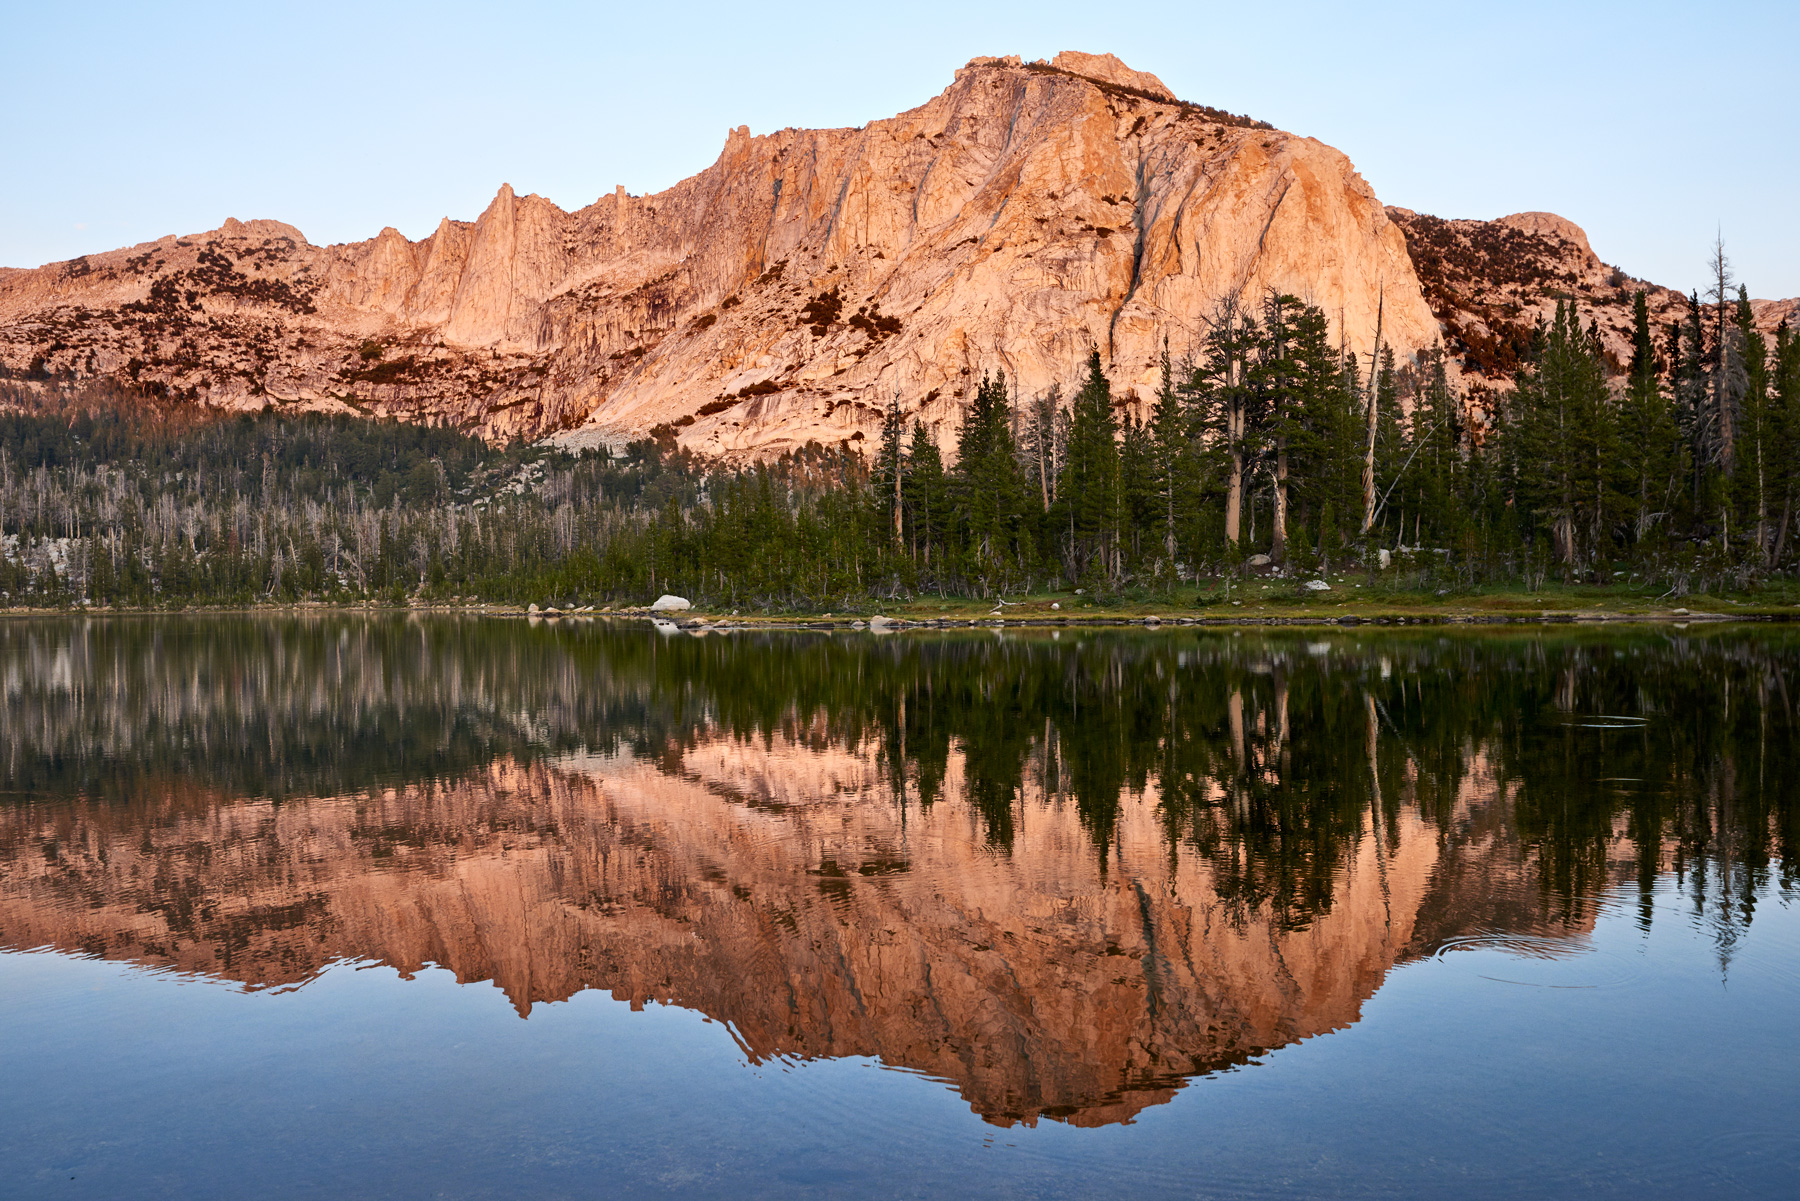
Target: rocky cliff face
<point>786,294</point>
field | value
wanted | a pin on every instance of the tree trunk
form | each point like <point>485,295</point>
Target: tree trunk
<point>1368,473</point>
<point>1372,744</point>
<point>1599,509</point>
<point>1281,715</point>
<point>1234,710</point>
<point>1781,537</point>
<point>1762,506</point>
<point>1234,481</point>
<point>1279,551</point>
<point>899,512</point>
<point>1169,519</point>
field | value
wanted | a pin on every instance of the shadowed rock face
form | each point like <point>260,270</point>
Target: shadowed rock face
<point>783,295</point>
<point>1490,282</point>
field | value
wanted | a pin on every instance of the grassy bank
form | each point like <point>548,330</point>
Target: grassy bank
<point>1350,595</point>
<point>1252,600</point>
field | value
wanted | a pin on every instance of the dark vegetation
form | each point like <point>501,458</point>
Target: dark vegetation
<point>871,321</point>
<point>823,311</point>
<point>213,274</point>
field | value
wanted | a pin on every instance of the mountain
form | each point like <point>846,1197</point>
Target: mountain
<point>794,289</point>
<point>783,295</point>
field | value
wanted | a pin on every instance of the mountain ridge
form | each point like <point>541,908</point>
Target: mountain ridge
<point>788,293</point>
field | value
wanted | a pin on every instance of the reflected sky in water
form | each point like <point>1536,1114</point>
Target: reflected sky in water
<point>837,914</point>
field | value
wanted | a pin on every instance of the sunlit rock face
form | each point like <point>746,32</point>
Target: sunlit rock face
<point>785,891</point>
<point>784,295</point>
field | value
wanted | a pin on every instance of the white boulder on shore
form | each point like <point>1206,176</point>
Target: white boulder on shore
<point>670,604</point>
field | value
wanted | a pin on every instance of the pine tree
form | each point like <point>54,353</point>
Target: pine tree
<point>1561,435</point>
<point>1138,495</point>
<point>927,499</point>
<point>1438,467</point>
<point>1171,438</point>
<point>1088,493</point>
<point>1726,367</point>
<point>1693,391</point>
<point>1649,467</point>
<point>1327,449</point>
<point>988,486</point>
<point>1229,400</point>
<point>102,586</point>
<point>890,467</point>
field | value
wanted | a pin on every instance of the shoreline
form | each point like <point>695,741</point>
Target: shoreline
<point>905,617</point>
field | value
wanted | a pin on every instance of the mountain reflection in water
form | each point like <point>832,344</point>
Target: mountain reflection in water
<point>1063,874</point>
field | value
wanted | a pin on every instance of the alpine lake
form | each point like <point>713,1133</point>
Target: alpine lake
<point>341,905</point>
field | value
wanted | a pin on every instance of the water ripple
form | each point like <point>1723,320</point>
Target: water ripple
<point>1536,962</point>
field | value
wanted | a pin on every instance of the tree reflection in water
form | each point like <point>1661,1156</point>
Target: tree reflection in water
<point>1065,875</point>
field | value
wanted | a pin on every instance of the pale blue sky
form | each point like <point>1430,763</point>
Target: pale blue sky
<point>1651,125</point>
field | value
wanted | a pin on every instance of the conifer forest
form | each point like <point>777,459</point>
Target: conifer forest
<point>1675,472</point>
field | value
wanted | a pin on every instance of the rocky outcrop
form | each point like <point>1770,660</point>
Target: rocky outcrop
<point>784,295</point>
<point>1490,282</point>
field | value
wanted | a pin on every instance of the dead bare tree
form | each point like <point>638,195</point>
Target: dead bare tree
<point>1368,472</point>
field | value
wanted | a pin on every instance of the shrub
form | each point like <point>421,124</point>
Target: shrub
<point>822,311</point>
<point>870,320</point>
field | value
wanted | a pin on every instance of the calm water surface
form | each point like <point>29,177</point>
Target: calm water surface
<point>394,907</point>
